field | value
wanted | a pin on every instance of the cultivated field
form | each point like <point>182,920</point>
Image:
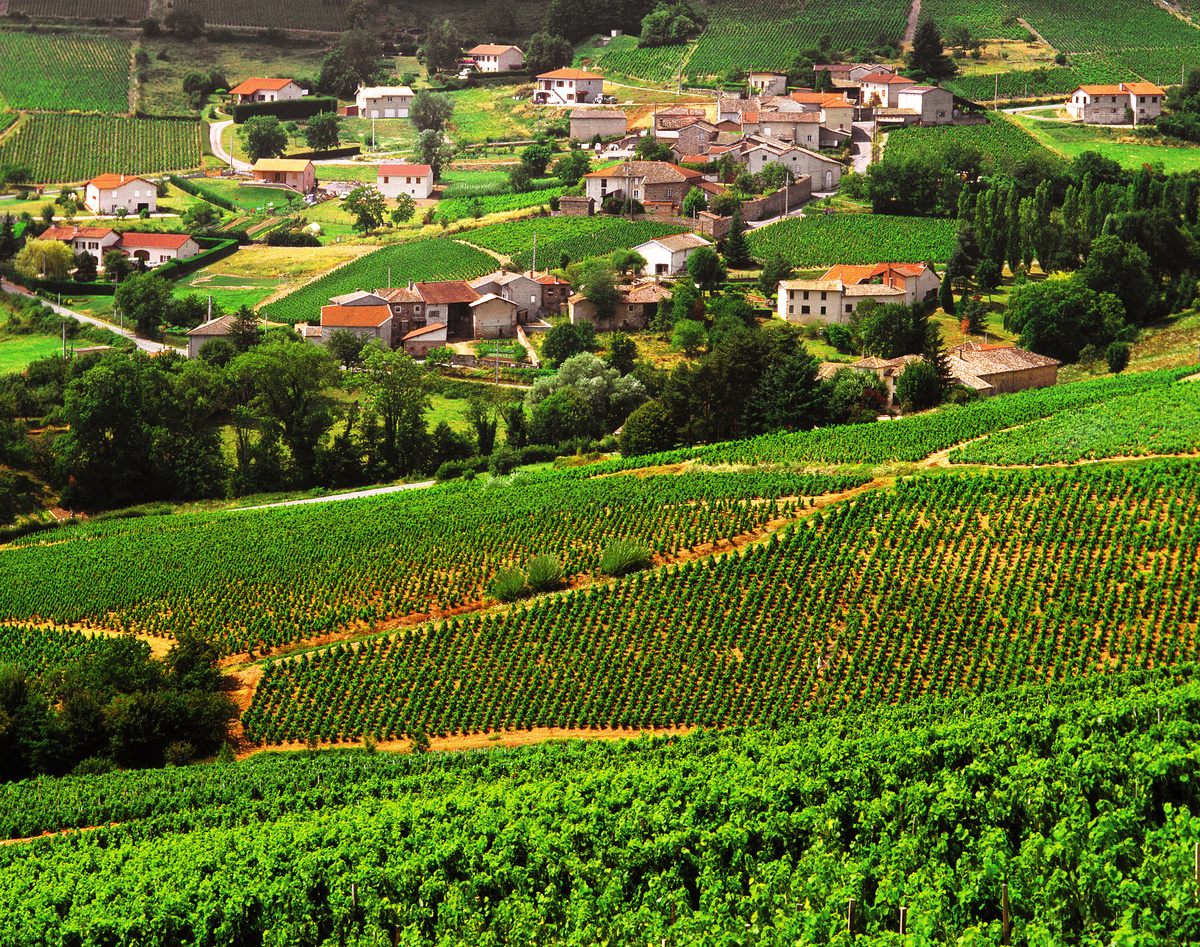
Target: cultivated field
<point>67,148</point>
<point>826,239</point>
<point>85,72</point>
<point>578,238</point>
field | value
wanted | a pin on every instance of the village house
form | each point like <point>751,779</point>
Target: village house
<point>449,302</point>
<point>415,180</point>
<point>418,342</point>
<point>586,124</point>
<point>265,90</point>
<point>295,173</point>
<point>933,105</point>
<point>801,128</point>
<point>837,293</point>
<point>489,58</point>
<point>493,317</point>
<point>666,256</point>
<point>367,315</point>
<point>383,101</point>
<point>881,89</point>
<point>637,305</point>
<point>568,87</point>
<point>756,152</point>
<point>408,309</point>
<point>657,183</point>
<point>836,111</point>
<point>111,193</point>
<point>1107,104</point>
<point>576,205</point>
<point>219,328</point>
<point>555,292</point>
<point>518,288</point>
<point>155,249</point>
<point>999,368</point>
<point>768,83</point>
<point>93,240</point>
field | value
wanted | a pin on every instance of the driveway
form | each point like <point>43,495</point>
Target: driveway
<point>860,145</point>
<point>144,344</point>
<point>215,132</point>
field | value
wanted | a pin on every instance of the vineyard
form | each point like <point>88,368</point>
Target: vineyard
<point>621,57</point>
<point>750,34</point>
<point>940,586</point>
<point>131,10</point>
<point>90,73</point>
<point>684,840</point>
<point>340,565</point>
<point>1156,421</point>
<point>579,238</point>
<point>464,207</point>
<point>1044,82</point>
<point>1001,138</point>
<point>68,148</point>
<point>825,240</point>
<point>437,259</point>
<point>984,18</point>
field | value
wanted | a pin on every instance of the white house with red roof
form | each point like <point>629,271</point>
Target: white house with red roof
<point>568,87</point>
<point>415,180</point>
<point>834,296</point>
<point>882,89</point>
<point>110,193</point>
<point>94,240</point>
<point>1106,104</point>
<point>155,249</point>
<point>490,58</point>
<point>265,90</point>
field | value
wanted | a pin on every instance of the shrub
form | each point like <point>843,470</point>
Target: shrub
<point>623,556</point>
<point>508,585</point>
<point>544,573</point>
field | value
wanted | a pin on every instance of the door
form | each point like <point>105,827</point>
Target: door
<point>829,180</point>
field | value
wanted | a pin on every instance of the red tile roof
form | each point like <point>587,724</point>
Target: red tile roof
<point>169,241</point>
<point>416,170</point>
<point>425,330</point>
<point>108,181</point>
<point>67,234</point>
<point>355,316</point>
<point>446,292</point>
<point>569,74</point>
<point>250,86</point>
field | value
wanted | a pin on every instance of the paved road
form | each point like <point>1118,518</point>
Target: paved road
<point>215,131</point>
<point>357,494</point>
<point>860,145</point>
<point>144,344</point>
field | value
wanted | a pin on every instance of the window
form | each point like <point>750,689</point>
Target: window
<point>804,310</point>
<point>849,307</point>
<point>806,294</point>
<point>791,310</point>
<point>385,179</point>
<point>824,295</point>
<point>822,310</point>
<point>631,307</point>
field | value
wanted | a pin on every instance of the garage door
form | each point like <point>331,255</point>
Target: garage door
<point>374,113</point>
<point>389,113</point>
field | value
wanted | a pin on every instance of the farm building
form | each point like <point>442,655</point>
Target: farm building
<point>756,152</point>
<point>111,193</point>
<point>383,101</point>
<point>367,315</point>
<point>555,291</point>
<point>1108,104</point>
<point>651,182</point>
<point>418,342</point>
<point>493,317</point>
<point>155,249</point>
<point>636,307</point>
<point>882,89</point>
<point>667,255</point>
<point>518,288</point>
<point>489,58</point>
<point>219,328</point>
<point>415,180</point>
<point>266,90</point>
<point>568,87</point>
<point>768,83</point>
<point>299,175</point>
<point>836,294</point>
<point>586,124</point>
<point>933,105</point>
<point>408,309</point>
<point>449,302</point>
<point>1000,369</point>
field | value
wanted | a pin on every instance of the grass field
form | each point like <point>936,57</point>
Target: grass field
<point>255,273</point>
<point>491,112</point>
<point>17,351</point>
<point>1072,139</point>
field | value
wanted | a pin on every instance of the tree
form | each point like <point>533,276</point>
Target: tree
<point>367,206</point>
<point>116,266</point>
<point>85,267</point>
<point>600,287</point>
<point>737,253</point>
<point>185,20</point>
<point>263,137</point>
<point>688,336</point>
<point>396,386</point>
<point>706,269</point>
<point>245,333</point>
<point>536,157</point>
<point>789,397</point>
<point>201,217</point>
<point>1060,315</point>
<point>561,342</point>
<point>946,294</point>
<point>291,383</point>
<point>774,271</point>
<point>353,62</point>
<point>560,417</point>
<point>649,430</point>
<point>321,132</point>
<point>442,48</point>
<point>649,148</point>
<point>433,149</point>
<point>430,110</point>
<point>928,54</point>
<point>919,386</point>
<point>50,259</point>
<point>145,299</point>
<point>9,245</point>
<point>621,353</point>
<point>572,166</point>
<point>404,210</point>
<point>547,53</point>
<point>346,346</point>
<point>627,261</point>
<point>519,179</point>
<point>1117,356</point>
<point>694,202</point>
<point>482,414</point>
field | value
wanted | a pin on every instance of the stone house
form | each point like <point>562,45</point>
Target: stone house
<point>110,193</point>
<point>1001,369</point>
<point>637,305</point>
<point>657,182</point>
<point>408,310</point>
<point>449,302</point>
<point>933,104</point>
<point>586,124</point>
<point>1106,104</point>
<point>418,342</point>
<point>768,83</point>
<point>518,288</point>
<point>836,294</point>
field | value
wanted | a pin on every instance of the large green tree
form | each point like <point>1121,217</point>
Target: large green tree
<point>1060,315</point>
<point>430,110</point>
<point>547,53</point>
<point>442,48</point>
<point>353,62</point>
<point>395,385</point>
<point>928,53</point>
<point>321,132</point>
<point>145,299</point>
<point>367,206</point>
<point>263,137</point>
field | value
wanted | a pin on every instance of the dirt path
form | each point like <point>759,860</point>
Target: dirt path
<point>34,838</point>
<point>914,16</point>
<point>1036,34</point>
